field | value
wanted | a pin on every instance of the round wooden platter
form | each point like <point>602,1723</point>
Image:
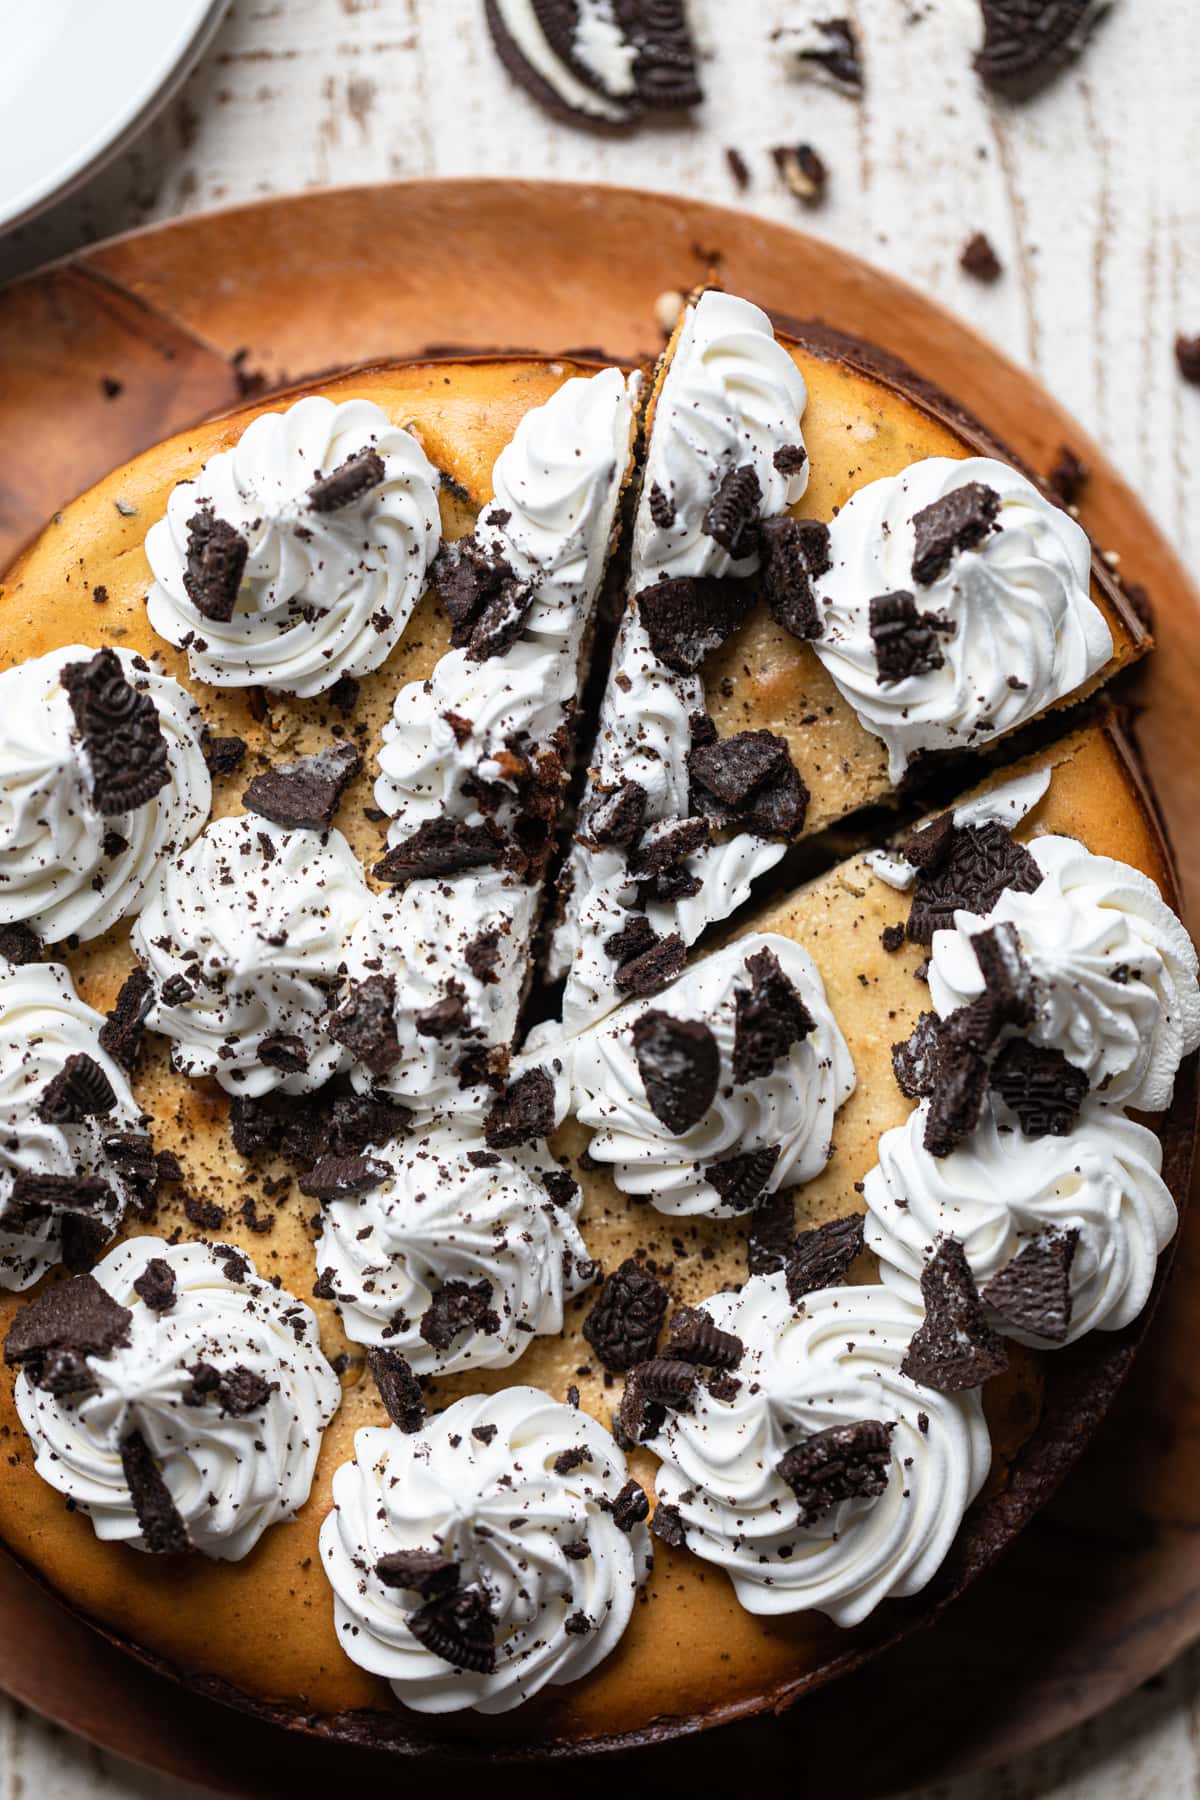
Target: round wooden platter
<point>103,355</point>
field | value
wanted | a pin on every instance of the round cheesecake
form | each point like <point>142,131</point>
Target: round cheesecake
<point>425,1323</point>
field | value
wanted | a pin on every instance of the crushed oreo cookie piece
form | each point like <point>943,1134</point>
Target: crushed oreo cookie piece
<point>284,1052</point>
<point>680,1066</point>
<point>1187,358</point>
<point>977,864</point>
<point>957,1102</point>
<point>820,1257</point>
<point>237,1392</point>
<point>163,1531</point>
<point>347,483</point>
<point>688,617</point>
<point>440,847</point>
<point>795,551</point>
<point>459,1628</point>
<point>731,518</point>
<point>959,521</point>
<point>615,819</point>
<point>132,1155</point>
<point>769,1017</point>
<point>741,1179</point>
<point>482,957</point>
<point>222,755</point>
<point>664,845</point>
<point>694,1338</point>
<point>398,1387</point>
<point>424,1572</point>
<point>772,1235</point>
<point>446,1018</point>
<point>339,1177</point>
<point>51,1337</point>
<point>928,847</point>
<point>1032,1294</point>
<point>125,1022</point>
<point>843,1462</point>
<point>664,72</point>
<point>749,779</point>
<point>1040,1086</point>
<point>459,1306</point>
<point>19,944</point>
<point>216,563</point>
<point>638,1418</point>
<point>917,1060</point>
<point>304,795</point>
<point>955,1348</point>
<point>623,1325</point>
<point>906,641</point>
<point>824,48</point>
<point>365,1023</point>
<point>630,1507</point>
<point>81,1090</point>
<point>667,1381</point>
<point>1069,475</point>
<point>121,732</point>
<point>667,1525</point>
<point>1027,42</point>
<point>654,964</point>
<point>802,170</point>
<point>155,1286</point>
<point>1007,977</point>
<point>979,259</point>
<point>523,1113</point>
<point>662,508</point>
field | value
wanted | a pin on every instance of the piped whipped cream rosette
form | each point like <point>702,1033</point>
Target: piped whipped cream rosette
<point>724,454</point>
<point>1062,1234</point>
<point>1114,972</point>
<point>811,1469</point>
<point>721,1089</point>
<point>437,972</point>
<point>956,606</point>
<point>297,556</point>
<point>101,777</point>
<point>453,1254</point>
<point>521,592</point>
<point>62,1101</point>
<point>495,1551</point>
<point>244,938</point>
<point>174,1397</point>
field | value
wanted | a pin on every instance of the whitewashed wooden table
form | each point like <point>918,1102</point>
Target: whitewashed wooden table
<point>1090,195</point>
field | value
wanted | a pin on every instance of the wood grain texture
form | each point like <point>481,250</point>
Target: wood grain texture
<point>1089,196</point>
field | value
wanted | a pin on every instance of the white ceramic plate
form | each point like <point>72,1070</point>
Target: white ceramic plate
<point>78,79</point>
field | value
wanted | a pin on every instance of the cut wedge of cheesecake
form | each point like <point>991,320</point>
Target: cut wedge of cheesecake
<point>769,678</point>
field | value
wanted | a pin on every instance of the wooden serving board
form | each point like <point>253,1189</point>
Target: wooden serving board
<point>103,355</point>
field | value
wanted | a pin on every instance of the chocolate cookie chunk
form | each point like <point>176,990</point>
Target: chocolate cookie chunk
<point>959,521</point>
<point>795,551</point>
<point>523,1113</point>
<point>216,563</point>
<point>769,1017</point>
<point>656,961</point>
<point>163,1531</point>
<point>440,847</point>
<point>399,1390</point>
<point>365,1023</point>
<point>623,1325</point>
<point>347,483</point>
<point>680,1065</point>
<point>1040,1086</point>
<point>425,1572</point>
<point>820,1257</point>
<point>121,732</point>
<point>19,944</point>
<point>615,819</point>
<point>1026,43</point>
<point>81,1090</point>
<point>976,865</point>
<point>459,1628</point>
<point>731,518</point>
<point>955,1348</point>
<point>694,1338</point>
<point>772,1235</point>
<point>906,641</point>
<point>688,617</point>
<point>50,1337</point>
<point>459,1306</point>
<point>304,795</point>
<point>740,1179</point>
<point>843,1462</point>
<point>748,779</point>
<point>125,1022</point>
<point>339,1177</point>
<point>1033,1294</point>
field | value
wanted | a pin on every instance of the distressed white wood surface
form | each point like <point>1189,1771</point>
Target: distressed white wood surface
<point>1091,196</point>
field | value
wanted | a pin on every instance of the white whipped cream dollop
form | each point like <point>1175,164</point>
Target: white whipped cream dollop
<point>556,485</point>
<point>481,1484</point>
<point>833,1360</point>
<point>790,1110</point>
<point>421,936</point>
<point>1115,972</point>
<point>253,920</point>
<point>1023,631</point>
<point>731,398</point>
<point>1000,1189</point>
<point>324,593</point>
<point>448,1210</point>
<point>43,1022</point>
<point>232,1470</point>
<point>66,868</point>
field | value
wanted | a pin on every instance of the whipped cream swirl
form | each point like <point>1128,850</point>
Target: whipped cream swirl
<point>244,937</point>
<point>732,397</point>
<point>1023,632</point>
<point>1115,971</point>
<point>450,1210</point>
<point>67,869</point>
<point>43,1022</point>
<point>425,937</point>
<point>233,1467</point>
<point>1000,1189</point>
<point>325,593</point>
<point>556,486</point>
<point>480,1483</point>
<point>790,1110</point>
<point>835,1360</point>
